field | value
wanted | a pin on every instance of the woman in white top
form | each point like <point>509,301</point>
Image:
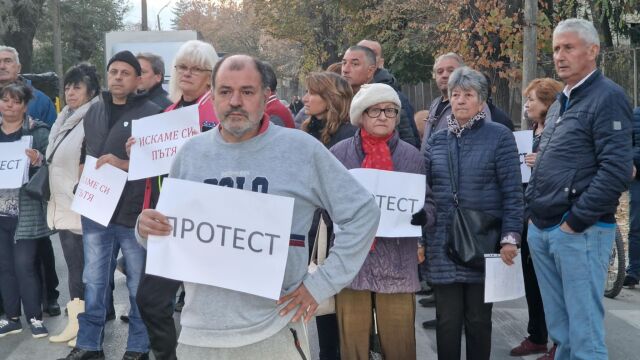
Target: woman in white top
<point>81,90</point>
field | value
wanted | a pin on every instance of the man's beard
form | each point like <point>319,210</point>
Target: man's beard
<point>235,128</point>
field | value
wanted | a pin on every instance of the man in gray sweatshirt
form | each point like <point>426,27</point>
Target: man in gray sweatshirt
<point>246,152</point>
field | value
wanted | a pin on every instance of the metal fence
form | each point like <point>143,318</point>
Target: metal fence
<point>620,65</point>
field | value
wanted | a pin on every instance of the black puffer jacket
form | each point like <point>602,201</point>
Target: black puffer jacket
<point>585,156</point>
<point>487,167</point>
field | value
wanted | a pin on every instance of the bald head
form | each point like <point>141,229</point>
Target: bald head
<point>238,63</point>
<point>376,48</point>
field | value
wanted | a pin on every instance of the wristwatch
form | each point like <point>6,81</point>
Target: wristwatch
<point>509,239</point>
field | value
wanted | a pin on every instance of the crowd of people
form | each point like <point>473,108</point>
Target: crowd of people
<point>561,223</point>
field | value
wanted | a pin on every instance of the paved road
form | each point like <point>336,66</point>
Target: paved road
<point>509,327</point>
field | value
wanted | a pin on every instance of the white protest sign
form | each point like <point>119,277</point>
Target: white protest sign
<point>13,164</point>
<point>502,282</point>
<point>399,195</point>
<point>158,139</point>
<point>98,191</point>
<point>524,139</point>
<point>229,238</point>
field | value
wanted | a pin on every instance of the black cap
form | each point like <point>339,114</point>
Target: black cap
<point>129,58</point>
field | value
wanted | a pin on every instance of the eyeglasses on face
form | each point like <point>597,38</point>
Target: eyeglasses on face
<point>374,112</point>
<point>195,70</point>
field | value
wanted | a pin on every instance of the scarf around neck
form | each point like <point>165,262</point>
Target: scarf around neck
<point>377,154</point>
<point>455,128</point>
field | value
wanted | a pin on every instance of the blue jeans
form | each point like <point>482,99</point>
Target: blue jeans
<point>571,271</point>
<point>101,245</point>
<point>633,269</point>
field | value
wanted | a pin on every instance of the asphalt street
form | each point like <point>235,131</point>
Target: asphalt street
<point>509,327</point>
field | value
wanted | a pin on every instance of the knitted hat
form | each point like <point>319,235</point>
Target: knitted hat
<point>369,95</point>
<point>127,57</point>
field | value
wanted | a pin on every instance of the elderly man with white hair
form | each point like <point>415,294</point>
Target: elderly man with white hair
<point>584,163</point>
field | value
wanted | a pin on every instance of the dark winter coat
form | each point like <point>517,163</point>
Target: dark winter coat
<point>487,166</point>
<point>392,267</point>
<point>345,131</point>
<point>32,221</point>
<point>159,96</point>
<point>585,157</point>
<point>636,141</point>
<point>101,140</point>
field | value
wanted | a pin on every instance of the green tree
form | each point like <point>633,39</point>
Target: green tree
<point>19,20</point>
<point>83,26</point>
<point>318,26</point>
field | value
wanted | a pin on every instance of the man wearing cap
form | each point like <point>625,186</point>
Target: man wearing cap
<point>107,126</point>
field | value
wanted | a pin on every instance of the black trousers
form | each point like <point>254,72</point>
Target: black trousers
<point>155,301</point>
<point>537,327</point>
<point>19,278</point>
<point>461,304</point>
<point>328,338</point>
<point>73,251</point>
<point>47,265</point>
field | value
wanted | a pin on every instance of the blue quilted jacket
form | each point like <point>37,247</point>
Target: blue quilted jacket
<point>487,166</point>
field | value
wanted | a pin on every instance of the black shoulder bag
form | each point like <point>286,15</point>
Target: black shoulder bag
<point>473,233</point>
<point>38,185</point>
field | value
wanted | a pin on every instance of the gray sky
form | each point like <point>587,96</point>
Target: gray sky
<point>153,6</point>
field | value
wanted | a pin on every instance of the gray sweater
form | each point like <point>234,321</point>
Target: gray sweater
<point>217,317</point>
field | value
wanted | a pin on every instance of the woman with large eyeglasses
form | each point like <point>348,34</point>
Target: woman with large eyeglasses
<point>190,82</point>
<point>388,279</point>
<point>22,219</point>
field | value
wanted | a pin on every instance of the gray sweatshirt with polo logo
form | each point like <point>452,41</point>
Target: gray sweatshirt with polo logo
<point>283,162</point>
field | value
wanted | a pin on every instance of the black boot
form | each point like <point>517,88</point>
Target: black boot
<point>132,355</point>
<point>79,354</point>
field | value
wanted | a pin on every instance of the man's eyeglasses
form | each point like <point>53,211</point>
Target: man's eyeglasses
<point>181,68</point>
<point>375,112</point>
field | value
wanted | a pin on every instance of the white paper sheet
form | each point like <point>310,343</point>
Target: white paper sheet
<point>158,139</point>
<point>230,238</point>
<point>14,164</point>
<point>399,195</point>
<point>98,191</point>
<point>502,282</point>
<point>524,139</point>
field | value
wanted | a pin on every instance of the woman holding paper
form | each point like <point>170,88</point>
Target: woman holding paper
<point>388,279</point>
<point>540,94</point>
<point>81,90</point>
<point>474,168</point>
<point>22,220</point>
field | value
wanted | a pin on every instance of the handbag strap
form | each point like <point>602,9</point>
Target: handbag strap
<point>319,252</point>
<point>60,142</point>
<point>321,240</point>
<point>454,181</point>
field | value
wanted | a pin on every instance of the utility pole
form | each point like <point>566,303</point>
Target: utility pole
<point>145,27</point>
<point>158,14</point>
<point>529,51</point>
<point>57,47</point>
